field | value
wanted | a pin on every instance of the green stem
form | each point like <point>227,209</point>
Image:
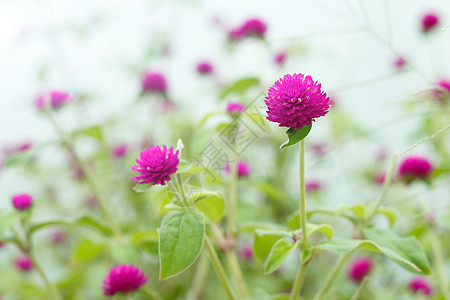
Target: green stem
<point>89,179</point>
<point>53,290</point>
<point>303,196</point>
<point>360,289</point>
<point>322,292</point>
<point>220,271</point>
<point>439,263</point>
<point>298,281</point>
<point>198,281</point>
<point>235,268</point>
<point>232,197</point>
<point>386,184</point>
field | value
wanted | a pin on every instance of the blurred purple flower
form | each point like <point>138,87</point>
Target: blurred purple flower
<point>246,252</point>
<point>399,62</point>
<point>380,177</point>
<point>119,151</point>
<point>235,108</point>
<point>56,99</point>
<point>251,27</point>
<point>295,101</point>
<point>155,165</point>
<point>280,58</point>
<point>359,268</point>
<point>419,285</point>
<point>429,21</point>
<point>243,169</point>
<point>154,82</point>
<point>313,185</point>
<point>23,263</point>
<point>123,279</point>
<point>415,167</point>
<point>14,149</point>
<point>22,201</point>
<point>204,67</point>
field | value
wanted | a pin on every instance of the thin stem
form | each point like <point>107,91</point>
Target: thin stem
<point>439,263</point>
<point>303,196</point>
<point>323,290</point>
<point>386,184</point>
<point>220,271</point>
<point>232,196</point>
<point>360,289</point>
<point>235,268</point>
<point>198,281</point>
<point>53,290</point>
<point>298,281</point>
<point>89,179</point>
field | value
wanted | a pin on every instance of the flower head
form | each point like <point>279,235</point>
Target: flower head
<point>246,252</point>
<point>415,167</point>
<point>55,99</point>
<point>379,177</point>
<point>22,201</point>
<point>23,263</point>
<point>443,89</point>
<point>155,165</point>
<point>251,27</point>
<point>429,21</point>
<point>235,108</point>
<point>399,62</point>
<point>313,185</point>
<point>280,57</point>
<point>204,67</point>
<point>119,151</point>
<point>154,82</point>
<point>295,101</point>
<point>123,279</point>
<point>243,169</point>
<point>419,285</point>
<point>359,268</point>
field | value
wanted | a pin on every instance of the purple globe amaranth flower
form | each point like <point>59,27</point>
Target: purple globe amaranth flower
<point>251,27</point>
<point>419,285</point>
<point>243,169</point>
<point>379,177</point>
<point>55,98</point>
<point>399,62</point>
<point>442,90</point>
<point>246,252</point>
<point>154,82</point>
<point>23,263</point>
<point>429,21</point>
<point>415,167</point>
<point>313,185</point>
<point>280,57</point>
<point>123,279</point>
<point>18,148</point>
<point>235,108</point>
<point>22,201</point>
<point>119,151</point>
<point>155,165</point>
<point>204,67</point>
<point>295,101</point>
<point>359,268</point>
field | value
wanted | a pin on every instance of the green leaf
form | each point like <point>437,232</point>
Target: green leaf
<point>27,155</point>
<point>406,251</point>
<point>358,210</point>
<point>8,221</point>
<point>323,228</point>
<point>140,188</point>
<point>88,250</point>
<point>389,214</point>
<point>41,225</point>
<point>262,246</point>
<point>211,204</point>
<point>93,131</point>
<point>278,254</point>
<point>209,115</point>
<point>95,223</point>
<point>181,237</point>
<point>295,135</point>
<point>239,87</point>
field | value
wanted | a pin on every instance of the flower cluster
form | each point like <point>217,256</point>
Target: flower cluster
<point>22,201</point>
<point>242,168</point>
<point>153,82</point>
<point>429,21</point>
<point>204,67</point>
<point>123,279</point>
<point>155,165</point>
<point>235,108</point>
<point>54,98</point>
<point>415,167</point>
<point>295,101</point>
<point>359,268</point>
<point>252,27</point>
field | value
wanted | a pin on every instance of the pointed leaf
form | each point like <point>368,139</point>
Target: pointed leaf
<point>239,87</point>
<point>140,188</point>
<point>296,135</point>
<point>211,204</point>
<point>278,254</point>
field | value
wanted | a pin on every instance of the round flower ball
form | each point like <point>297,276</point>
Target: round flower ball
<point>359,268</point>
<point>429,21</point>
<point>235,108</point>
<point>23,263</point>
<point>54,98</point>
<point>443,89</point>
<point>254,27</point>
<point>280,57</point>
<point>204,68</point>
<point>415,168</point>
<point>419,285</point>
<point>296,101</point>
<point>22,201</point>
<point>243,169</point>
<point>155,165</point>
<point>123,279</point>
<point>119,151</point>
<point>154,82</point>
<point>313,185</point>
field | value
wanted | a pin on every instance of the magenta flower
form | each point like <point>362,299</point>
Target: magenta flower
<point>235,108</point>
<point>415,167</point>
<point>399,62</point>
<point>154,82</point>
<point>22,201</point>
<point>380,177</point>
<point>23,263</point>
<point>119,151</point>
<point>252,27</point>
<point>55,98</point>
<point>155,165</point>
<point>18,148</point>
<point>295,101</point>
<point>313,185</point>
<point>243,169</point>
<point>246,252</point>
<point>204,67</point>
<point>279,58</point>
<point>429,21</point>
<point>123,279</point>
<point>296,237</point>
<point>359,268</point>
<point>419,285</point>
<point>443,89</point>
